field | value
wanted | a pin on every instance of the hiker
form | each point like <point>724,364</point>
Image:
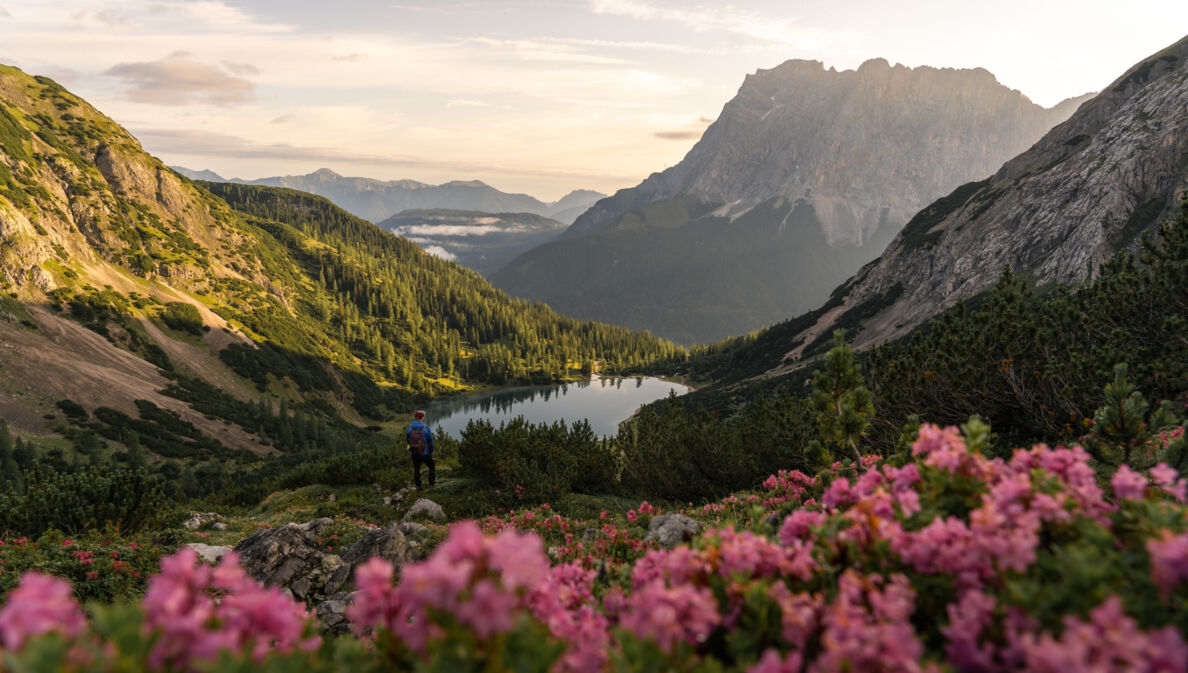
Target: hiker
<point>420,447</point>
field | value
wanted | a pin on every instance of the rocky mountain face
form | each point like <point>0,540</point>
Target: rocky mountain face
<point>854,154</point>
<point>376,200</point>
<point>477,240</point>
<point>1054,214</point>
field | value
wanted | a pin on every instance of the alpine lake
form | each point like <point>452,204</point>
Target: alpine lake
<point>603,402</point>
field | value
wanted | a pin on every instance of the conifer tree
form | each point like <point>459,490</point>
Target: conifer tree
<point>1123,432</point>
<point>840,400</point>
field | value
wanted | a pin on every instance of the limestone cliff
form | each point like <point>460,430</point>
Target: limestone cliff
<point>1054,213</point>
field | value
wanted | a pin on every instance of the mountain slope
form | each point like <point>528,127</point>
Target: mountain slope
<point>1053,214</point>
<point>477,240</point>
<point>376,200</point>
<point>231,303</point>
<point>854,154</point>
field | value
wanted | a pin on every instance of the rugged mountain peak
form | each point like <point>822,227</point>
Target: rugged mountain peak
<point>1054,213</point>
<point>867,147</point>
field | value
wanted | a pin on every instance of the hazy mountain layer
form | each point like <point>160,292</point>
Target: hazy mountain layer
<point>860,150</point>
<point>376,200</point>
<point>477,240</point>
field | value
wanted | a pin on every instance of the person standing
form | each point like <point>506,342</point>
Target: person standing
<point>420,447</point>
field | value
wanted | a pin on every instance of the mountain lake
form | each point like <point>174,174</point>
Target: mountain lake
<point>604,402</point>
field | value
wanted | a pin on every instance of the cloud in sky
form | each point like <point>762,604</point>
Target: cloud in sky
<point>4,14</point>
<point>179,79</point>
<point>690,131</point>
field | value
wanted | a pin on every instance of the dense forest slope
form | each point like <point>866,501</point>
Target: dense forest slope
<point>805,176</point>
<point>123,279</point>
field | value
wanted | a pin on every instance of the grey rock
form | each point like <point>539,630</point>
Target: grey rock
<point>219,525</point>
<point>208,553</point>
<point>316,526</point>
<point>389,544</point>
<point>672,529</point>
<point>424,507</point>
<point>290,557</point>
<point>591,534</point>
<point>412,529</point>
<point>332,614</point>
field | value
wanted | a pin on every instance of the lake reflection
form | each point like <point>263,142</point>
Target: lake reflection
<point>604,402</point>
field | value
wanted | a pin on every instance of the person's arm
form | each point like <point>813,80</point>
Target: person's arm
<point>408,435</point>
<point>429,439</point>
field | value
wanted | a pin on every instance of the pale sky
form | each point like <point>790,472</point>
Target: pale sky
<point>534,96</point>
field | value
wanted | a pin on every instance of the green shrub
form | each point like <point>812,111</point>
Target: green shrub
<point>182,317</point>
<point>128,499</point>
<point>539,462</point>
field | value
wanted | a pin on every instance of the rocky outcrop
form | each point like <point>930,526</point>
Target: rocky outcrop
<point>290,557</point>
<point>672,529</point>
<point>805,176</point>
<point>1054,213</point>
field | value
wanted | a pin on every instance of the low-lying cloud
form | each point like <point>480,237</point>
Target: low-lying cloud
<point>180,79</point>
<point>451,230</point>
<point>438,251</point>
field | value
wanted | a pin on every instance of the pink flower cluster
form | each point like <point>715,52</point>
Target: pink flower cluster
<point>482,582</point>
<point>199,611</point>
<point>40,604</point>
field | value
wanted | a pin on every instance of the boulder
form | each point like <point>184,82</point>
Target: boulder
<point>289,556</point>
<point>388,543</point>
<point>424,507</point>
<point>208,553</point>
<point>672,529</point>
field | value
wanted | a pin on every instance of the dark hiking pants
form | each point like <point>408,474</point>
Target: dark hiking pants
<point>418,461</point>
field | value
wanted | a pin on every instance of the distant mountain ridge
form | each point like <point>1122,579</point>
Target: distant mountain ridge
<point>851,154</point>
<point>376,200</point>
<point>477,240</point>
